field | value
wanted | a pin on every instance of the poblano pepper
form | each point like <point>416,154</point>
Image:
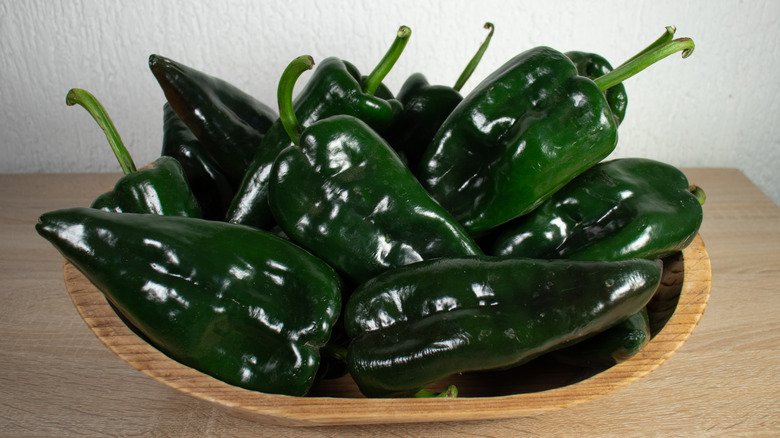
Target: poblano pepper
<point>592,65</point>
<point>417,324</point>
<point>209,183</point>
<point>426,107</point>
<point>618,209</point>
<point>523,133</point>
<point>160,189</point>
<point>342,193</point>
<point>233,302</point>
<point>228,122</point>
<point>336,87</point>
<point>610,347</point>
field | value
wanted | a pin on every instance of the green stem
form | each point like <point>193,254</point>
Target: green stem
<point>647,59</point>
<point>96,110</point>
<point>376,77</point>
<point>284,95</point>
<point>665,38</point>
<point>699,193</point>
<point>450,392</point>
<point>472,65</point>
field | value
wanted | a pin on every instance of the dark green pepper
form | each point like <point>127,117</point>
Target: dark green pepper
<point>610,347</point>
<point>229,123</point>
<point>342,193</point>
<point>417,324</point>
<point>426,107</point>
<point>209,183</point>
<point>336,87</point>
<point>161,189</point>
<point>234,302</point>
<point>523,133</point>
<point>618,209</point>
<point>592,65</point>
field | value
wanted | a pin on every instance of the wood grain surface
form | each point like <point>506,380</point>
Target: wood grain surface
<point>58,379</point>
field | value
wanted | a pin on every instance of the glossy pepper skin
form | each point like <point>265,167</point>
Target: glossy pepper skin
<point>420,323</point>
<point>619,209</point>
<point>209,183</point>
<point>161,189</point>
<point>334,88</point>
<point>593,65</point>
<point>610,347</point>
<point>233,302</point>
<point>520,135</point>
<point>344,195</point>
<point>426,107</point>
<point>229,123</point>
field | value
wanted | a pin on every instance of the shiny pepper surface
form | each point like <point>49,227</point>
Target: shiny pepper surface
<point>524,132</point>
<point>229,122</point>
<point>236,303</point>
<point>420,323</point>
<point>336,87</point>
<point>209,183</point>
<point>619,209</point>
<point>161,189</point>
<point>344,195</point>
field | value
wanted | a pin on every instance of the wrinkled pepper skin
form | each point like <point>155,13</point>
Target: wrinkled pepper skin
<point>612,346</point>
<point>593,65</point>
<point>229,123</point>
<point>161,189</point>
<point>426,107</point>
<point>233,302</point>
<point>334,88</point>
<point>524,132</point>
<point>344,195</point>
<point>420,323</point>
<point>618,209</point>
<point>209,183</point>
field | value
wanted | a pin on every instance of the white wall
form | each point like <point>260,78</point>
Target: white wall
<point>716,108</point>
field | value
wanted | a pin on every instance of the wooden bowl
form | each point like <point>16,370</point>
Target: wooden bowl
<point>538,386</point>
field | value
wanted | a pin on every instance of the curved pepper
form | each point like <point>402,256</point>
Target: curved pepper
<point>209,183</point>
<point>228,122</point>
<point>610,347</point>
<point>426,107</point>
<point>336,87</point>
<point>619,209</point>
<point>523,133</point>
<point>233,302</point>
<point>420,323</point>
<point>342,193</point>
<point>161,189</point>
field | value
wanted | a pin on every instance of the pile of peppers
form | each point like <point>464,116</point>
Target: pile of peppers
<point>397,238</point>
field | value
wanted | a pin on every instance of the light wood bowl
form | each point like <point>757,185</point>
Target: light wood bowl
<point>538,386</point>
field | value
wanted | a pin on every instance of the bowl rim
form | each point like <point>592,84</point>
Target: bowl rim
<point>324,410</point>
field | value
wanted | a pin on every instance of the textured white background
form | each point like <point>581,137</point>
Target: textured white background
<point>716,108</point>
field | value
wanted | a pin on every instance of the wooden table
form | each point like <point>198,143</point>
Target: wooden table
<point>58,379</point>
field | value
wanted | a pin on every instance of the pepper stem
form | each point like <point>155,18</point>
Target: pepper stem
<point>665,38</point>
<point>698,192</point>
<point>472,65</point>
<point>646,59</point>
<point>99,113</point>
<point>284,95</point>
<point>450,392</point>
<point>376,77</point>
